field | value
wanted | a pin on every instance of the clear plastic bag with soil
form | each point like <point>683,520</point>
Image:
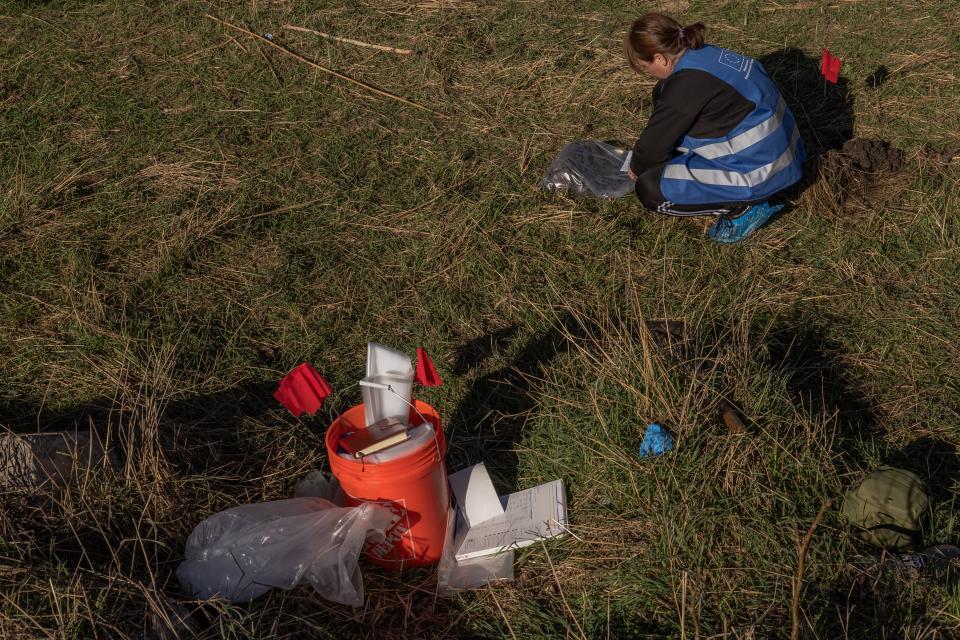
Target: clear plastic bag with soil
<point>589,169</point>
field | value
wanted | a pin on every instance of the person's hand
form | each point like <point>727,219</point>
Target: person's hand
<point>631,174</point>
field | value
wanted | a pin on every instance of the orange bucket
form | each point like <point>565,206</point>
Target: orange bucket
<point>414,487</point>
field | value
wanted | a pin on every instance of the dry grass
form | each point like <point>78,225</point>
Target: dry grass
<point>188,216</point>
<point>842,192</point>
<point>189,176</point>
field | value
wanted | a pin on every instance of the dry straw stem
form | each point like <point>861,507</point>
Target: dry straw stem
<point>337,74</point>
<point>563,598</point>
<point>500,609</point>
<point>802,6</point>
<point>359,43</point>
<point>802,548</point>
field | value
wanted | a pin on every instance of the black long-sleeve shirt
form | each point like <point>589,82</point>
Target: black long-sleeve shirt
<point>690,102</point>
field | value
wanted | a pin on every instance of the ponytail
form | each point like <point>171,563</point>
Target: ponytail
<point>691,36</point>
<point>659,33</point>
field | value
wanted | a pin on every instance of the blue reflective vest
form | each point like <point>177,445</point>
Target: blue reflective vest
<point>759,157</point>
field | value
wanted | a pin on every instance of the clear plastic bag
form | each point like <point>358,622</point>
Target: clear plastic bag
<point>589,168</point>
<point>454,576</point>
<point>241,553</point>
<point>316,485</point>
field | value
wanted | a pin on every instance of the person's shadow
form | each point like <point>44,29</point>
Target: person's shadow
<point>821,385</point>
<point>823,111</point>
<point>489,422</point>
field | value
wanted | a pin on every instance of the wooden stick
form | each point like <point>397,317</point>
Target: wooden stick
<point>378,47</point>
<point>802,548</point>
<point>236,42</point>
<point>337,74</point>
<point>300,205</point>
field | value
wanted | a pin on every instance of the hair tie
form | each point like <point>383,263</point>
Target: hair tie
<point>680,34</point>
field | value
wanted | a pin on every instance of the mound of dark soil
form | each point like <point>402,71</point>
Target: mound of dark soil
<point>864,174</point>
<point>873,156</point>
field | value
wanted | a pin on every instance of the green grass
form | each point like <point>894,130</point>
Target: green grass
<point>186,214</point>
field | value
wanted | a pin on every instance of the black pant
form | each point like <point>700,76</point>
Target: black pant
<point>647,187</point>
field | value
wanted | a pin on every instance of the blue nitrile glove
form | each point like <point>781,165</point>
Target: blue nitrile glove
<point>735,229</point>
<point>655,441</point>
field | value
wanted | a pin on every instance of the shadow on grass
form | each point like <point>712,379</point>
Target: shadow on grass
<point>210,438</point>
<point>936,462</point>
<point>474,352</point>
<point>824,111</point>
<point>488,424</point>
<point>205,429</point>
<point>865,600</point>
<point>878,77</point>
<point>868,602</point>
<point>854,603</point>
<point>819,385</point>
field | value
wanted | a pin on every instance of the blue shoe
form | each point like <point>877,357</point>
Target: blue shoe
<point>734,229</point>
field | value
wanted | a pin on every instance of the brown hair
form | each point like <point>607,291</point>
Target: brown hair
<point>659,33</point>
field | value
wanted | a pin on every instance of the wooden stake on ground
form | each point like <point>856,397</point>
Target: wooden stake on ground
<point>802,547</point>
<point>337,74</point>
<point>359,43</point>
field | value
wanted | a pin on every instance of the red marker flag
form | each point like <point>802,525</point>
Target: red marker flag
<point>426,372</point>
<point>303,389</point>
<point>830,67</point>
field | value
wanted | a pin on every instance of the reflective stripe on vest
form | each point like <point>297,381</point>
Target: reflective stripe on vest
<point>746,139</point>
<point>733,178</point>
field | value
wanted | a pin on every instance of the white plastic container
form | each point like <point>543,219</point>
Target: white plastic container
<point>380,403</point>
<point>383,359</point>
<point>386,366</point>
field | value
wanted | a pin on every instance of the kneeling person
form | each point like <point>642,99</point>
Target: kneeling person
<point>720,141</point>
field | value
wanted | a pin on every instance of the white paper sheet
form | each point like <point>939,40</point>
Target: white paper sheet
<point>529,515</point>
<point>626,162</point>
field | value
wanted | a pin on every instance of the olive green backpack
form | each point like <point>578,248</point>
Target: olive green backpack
<point>888,507</point>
